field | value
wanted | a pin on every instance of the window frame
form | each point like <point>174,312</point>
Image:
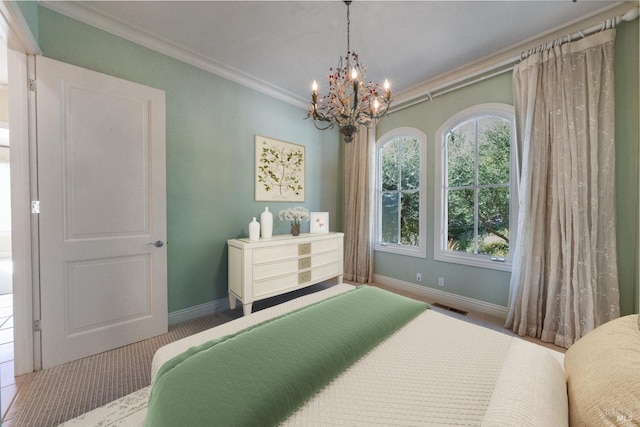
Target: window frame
<point>504,111</point>
<point>420,250</point>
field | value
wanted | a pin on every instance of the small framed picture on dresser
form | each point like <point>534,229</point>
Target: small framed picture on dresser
<point>319,222</point>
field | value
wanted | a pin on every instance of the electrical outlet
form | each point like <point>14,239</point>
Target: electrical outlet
<point>440,281</point>
<point>419,277</point>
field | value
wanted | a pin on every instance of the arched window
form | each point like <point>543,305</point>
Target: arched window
<point>400,192</point>
<point>475,187</point>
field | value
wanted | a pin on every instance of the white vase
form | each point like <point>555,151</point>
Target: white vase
<point>266,224</point>
<point>254,230</point>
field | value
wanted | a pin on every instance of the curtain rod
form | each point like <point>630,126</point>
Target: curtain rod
<point>604,25</point>
<point>507,65</point>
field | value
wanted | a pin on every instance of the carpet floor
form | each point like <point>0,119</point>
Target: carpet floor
<point>66,391</point>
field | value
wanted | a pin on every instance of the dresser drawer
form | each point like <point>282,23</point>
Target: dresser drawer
<point>275,285</point>
<point>274,253</point>
<point>324,245</point>
<point>273,269</point>
<point>323,258</point>
<point>328,270</point>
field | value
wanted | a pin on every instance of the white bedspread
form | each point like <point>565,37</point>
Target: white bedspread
<point>437,370</point>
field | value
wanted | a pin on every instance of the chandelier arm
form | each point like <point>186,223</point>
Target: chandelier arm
<point>329,126</point>
<point>319,117</point>
<point>380,113</point>
<point>341,101</point>
<point>386,108</point>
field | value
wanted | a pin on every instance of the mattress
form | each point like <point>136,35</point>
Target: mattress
<point>437,370</point>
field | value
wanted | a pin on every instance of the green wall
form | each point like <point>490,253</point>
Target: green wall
<point>493,286</point>
<point>627,159</point>
<point>210,128</point>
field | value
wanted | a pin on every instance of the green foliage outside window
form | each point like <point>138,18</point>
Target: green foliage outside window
<point>400,196</point>
<point>478,174</point>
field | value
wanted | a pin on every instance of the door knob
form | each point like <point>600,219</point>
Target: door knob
<point>158,244</point>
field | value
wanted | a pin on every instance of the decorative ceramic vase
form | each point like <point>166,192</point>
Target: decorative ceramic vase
<point>254,230</point>
<point>295,228</point>
<point>266,224</point>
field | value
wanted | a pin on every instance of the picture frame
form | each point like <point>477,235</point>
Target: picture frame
<point>279,170</point>
<point>318,222</point>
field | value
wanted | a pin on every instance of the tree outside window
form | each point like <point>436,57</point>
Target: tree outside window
<point>400,192</point>
<point>478,158</point>
<point>476,198</point>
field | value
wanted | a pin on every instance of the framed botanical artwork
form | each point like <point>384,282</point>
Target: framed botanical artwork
<point>319,222</point>
<point>280,171</point>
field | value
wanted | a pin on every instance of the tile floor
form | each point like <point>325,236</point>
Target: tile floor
<point>7,380</point>
<point>11,386</point>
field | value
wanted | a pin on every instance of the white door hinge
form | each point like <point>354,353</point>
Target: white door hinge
<point>36,326</point>
<point>35,206</point>
<point>32,85</point>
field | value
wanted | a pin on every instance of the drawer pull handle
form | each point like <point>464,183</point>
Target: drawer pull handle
<point>304,277</point>
<point>304,248</point>
<point>304,263</point>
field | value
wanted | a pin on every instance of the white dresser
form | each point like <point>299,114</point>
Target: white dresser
<point>268,267</point>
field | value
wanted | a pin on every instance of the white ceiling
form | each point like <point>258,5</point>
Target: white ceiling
<point>281,46</point>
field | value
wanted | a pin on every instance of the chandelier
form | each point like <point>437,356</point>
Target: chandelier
<point>351,101</point>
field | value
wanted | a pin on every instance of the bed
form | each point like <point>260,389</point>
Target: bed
<point>433,370</point>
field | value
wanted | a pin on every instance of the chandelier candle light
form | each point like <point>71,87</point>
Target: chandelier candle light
<point>351,101</point>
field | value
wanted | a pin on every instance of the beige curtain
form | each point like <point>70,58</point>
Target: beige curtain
<point>358,187</point>
<point>564,280</point>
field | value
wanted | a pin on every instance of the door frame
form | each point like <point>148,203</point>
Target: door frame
<point>22,46</point>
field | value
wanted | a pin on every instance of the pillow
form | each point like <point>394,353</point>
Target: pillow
<point>603,375</point>
<point>530,390</point>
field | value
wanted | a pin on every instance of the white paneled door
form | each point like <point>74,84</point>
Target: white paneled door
<point>102,221</point>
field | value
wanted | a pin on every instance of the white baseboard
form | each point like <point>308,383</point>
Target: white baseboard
<point>447,298</point>
<point>185,314</point>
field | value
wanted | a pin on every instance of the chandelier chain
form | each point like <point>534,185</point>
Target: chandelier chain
<point>348,27</point>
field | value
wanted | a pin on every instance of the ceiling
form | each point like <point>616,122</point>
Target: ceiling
<point>279,47</point>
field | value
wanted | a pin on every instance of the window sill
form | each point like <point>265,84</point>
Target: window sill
<point>481,261</point>
<point>418,252</point>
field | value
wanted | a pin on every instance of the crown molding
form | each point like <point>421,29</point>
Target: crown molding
<point>85,14</point>
<point>15,30</point>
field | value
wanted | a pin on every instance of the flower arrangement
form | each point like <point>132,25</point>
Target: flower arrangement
<point>294,215</point>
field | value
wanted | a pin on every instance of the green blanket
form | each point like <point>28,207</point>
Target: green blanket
<point>259,376</point>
